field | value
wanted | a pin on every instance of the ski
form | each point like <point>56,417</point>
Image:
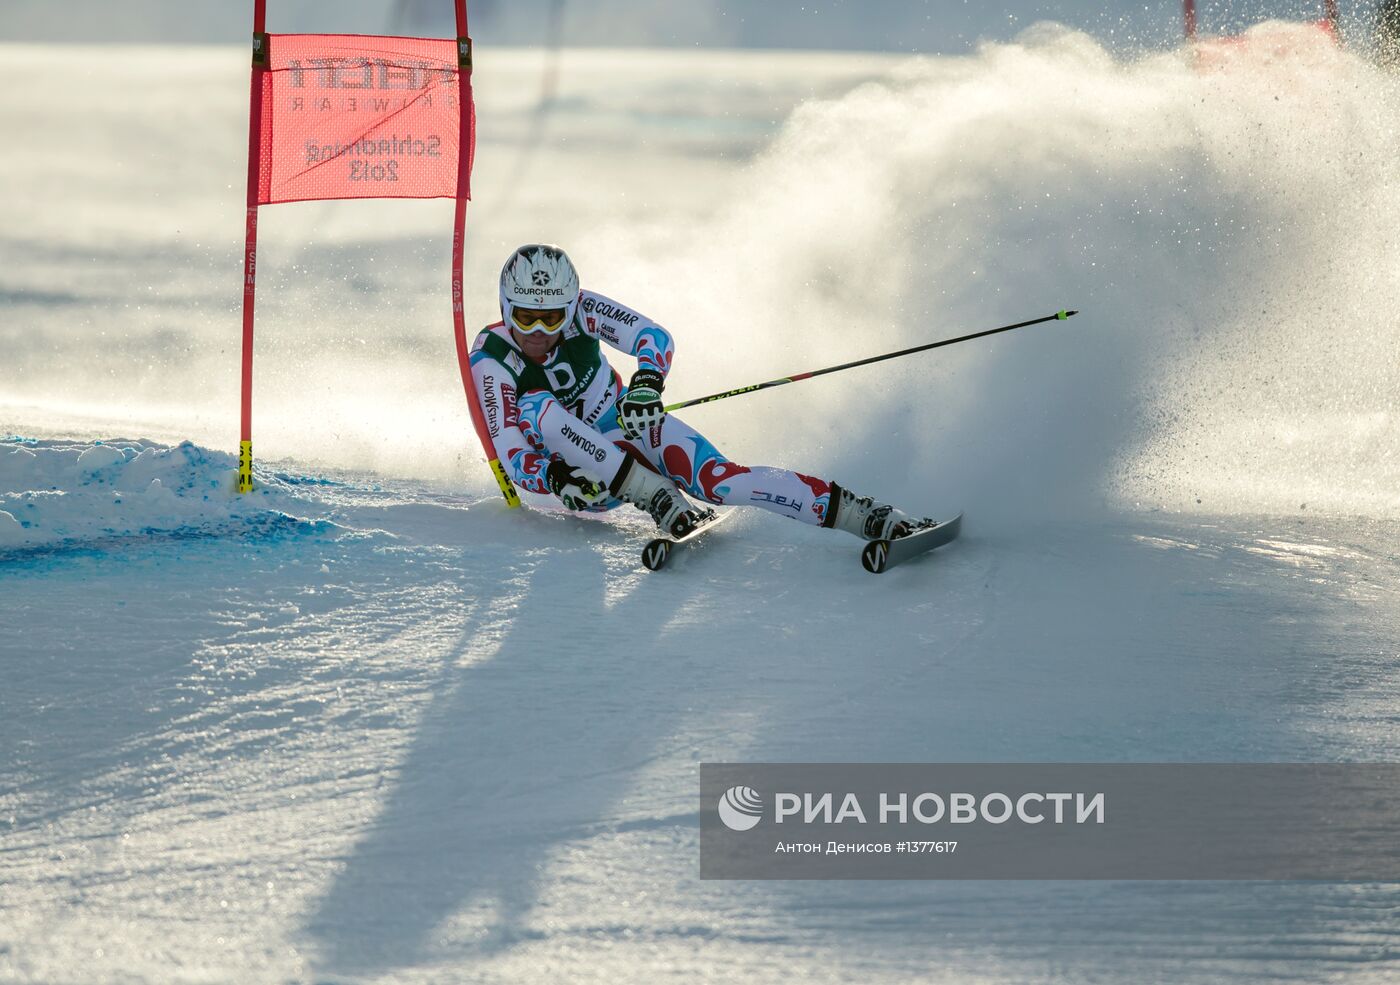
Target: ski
<point>879,555</point>
<point>658,551</point>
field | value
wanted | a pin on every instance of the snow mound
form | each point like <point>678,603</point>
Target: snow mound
<point>57,494</point>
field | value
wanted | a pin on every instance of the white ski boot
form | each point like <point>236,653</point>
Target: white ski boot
<point>656,495</point>
<point>862,516</point>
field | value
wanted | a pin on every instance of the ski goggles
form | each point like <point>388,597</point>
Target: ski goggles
<point>535,321</point>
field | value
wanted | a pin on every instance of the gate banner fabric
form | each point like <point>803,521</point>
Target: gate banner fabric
<point>360,116</point>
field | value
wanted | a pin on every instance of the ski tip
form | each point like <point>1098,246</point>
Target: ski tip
<point>655,555</point>
<point>875,556</point>
<point>1067,313</point>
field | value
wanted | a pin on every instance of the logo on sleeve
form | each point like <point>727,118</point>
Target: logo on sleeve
<point>589,448</point>
<point>604,330</point>
<point>512,409</point>
<point>489,404</point>
<point>616,314</point>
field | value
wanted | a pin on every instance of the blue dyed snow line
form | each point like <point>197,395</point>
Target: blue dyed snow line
<point>270,527</point>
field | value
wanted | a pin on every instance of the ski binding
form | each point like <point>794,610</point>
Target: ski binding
<point>658,550</point>
<point>879,555</point>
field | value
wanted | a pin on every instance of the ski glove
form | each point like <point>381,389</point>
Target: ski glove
<point>576,488</point>
<point>640,408</point>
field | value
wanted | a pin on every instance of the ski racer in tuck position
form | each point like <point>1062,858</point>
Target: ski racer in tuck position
<point>563,423</point>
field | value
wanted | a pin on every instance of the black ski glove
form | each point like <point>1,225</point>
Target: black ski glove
<point>640,408</point>
<point>575,488</point>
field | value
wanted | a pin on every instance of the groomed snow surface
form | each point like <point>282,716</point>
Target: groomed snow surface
<point>368,725</point>
<point>353,732</point>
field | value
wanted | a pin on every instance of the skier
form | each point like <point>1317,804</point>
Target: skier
<point>563,423</point>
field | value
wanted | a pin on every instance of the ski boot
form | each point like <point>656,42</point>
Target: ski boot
<point>862,516</point>
<point>656,496</point>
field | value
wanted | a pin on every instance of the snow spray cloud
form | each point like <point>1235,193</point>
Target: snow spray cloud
<point>1226,230</point>
<point>1226,224</point>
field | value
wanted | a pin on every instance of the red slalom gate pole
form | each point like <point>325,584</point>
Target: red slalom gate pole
<point>466,140</point>
<point>250,248</point>
<point>1329,19</point>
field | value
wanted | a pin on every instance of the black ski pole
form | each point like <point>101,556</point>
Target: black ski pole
<point>1058,316</point>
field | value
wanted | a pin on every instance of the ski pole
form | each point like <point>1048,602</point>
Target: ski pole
<point>1058,316</point>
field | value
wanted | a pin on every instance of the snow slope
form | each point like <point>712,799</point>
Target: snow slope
<point>368,725</point>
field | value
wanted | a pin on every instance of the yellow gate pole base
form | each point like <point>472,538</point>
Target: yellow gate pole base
<point>507,487</point>
<point>245,466</point>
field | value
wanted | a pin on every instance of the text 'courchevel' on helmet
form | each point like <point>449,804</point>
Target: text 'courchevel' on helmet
<point>539,276</point>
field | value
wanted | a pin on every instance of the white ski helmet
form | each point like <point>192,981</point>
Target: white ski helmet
<point>539,276</point>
